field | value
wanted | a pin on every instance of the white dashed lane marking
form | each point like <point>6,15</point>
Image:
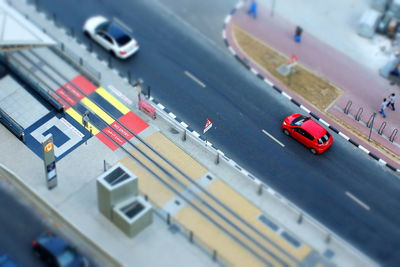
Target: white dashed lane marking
<point>359,202</point>
<point>191,76</point>
<point>273,138</point>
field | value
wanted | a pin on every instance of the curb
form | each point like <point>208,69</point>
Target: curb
<point>243,61</point>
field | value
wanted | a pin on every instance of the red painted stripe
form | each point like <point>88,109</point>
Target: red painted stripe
<point>60,100</point>
<point>133,122</point>
<point>84,84</point>
<point>114,136</point>
<point>111,145</point>
<point>121,130</point>
<point>70,88</point>
<point>65,96</point>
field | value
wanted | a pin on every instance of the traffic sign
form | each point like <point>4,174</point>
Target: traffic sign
<point>293,61</point>
<point>207,126</point>
<point>48,147</point>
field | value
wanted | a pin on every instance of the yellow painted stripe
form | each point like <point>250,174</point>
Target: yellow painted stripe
<point>78,118</point>
<point>93,107</point>
<point>113,101</point>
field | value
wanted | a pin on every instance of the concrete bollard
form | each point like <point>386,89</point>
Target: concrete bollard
<point>300,218</point>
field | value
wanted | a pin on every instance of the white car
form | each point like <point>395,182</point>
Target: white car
<point>112,36</point>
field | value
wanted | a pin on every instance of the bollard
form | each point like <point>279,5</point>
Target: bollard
<point>148,92</point>
<point>259,187</point>
<point>80,61</point>
<point>168,219</point>
<point>62,47</point>
<point>300,219</point>
<point>129,77</point>
<point>109,61</point>
<point>104,165</point>
<point>184,136</point>
<point>214,256</point>
<point>191,236</point>
<point>217,159</point>
<point>328,239</point>
<point>146,197</point>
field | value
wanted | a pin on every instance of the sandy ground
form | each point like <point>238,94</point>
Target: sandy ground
<point>314,89</point>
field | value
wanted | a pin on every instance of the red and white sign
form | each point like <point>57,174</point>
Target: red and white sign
<point>207,126</point>
<point>293,61</point>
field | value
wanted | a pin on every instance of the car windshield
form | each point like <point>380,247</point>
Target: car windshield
<point>66,258</point>
<point>299,120</point>
<point>118,34</point>
<point>324,138</point>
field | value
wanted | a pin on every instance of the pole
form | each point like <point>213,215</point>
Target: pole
<point>372,125</point>
<point>272,7</point>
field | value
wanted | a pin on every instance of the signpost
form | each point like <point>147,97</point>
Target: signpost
<point>49,160</point>
<point>287,69</point>
<point>207,126</point>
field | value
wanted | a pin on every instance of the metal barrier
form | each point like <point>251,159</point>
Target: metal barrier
<point>34,82</point>
<point>78,62</point>
<point>348,106</point>
<point>393,135</point>
<point>12,125</point>
<point>358,115</point>
<point>383,125</point>
<point>370,121</point>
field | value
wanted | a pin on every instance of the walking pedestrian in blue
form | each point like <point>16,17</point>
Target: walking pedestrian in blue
<point>252,9</point>
<point>383,106</point>
<point>392,97</point>
<point>297,34</point>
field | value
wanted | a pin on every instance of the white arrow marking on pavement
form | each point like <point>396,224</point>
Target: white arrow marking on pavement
<point>191,76</point>
<point>359,202</point>
<point>273,138</point>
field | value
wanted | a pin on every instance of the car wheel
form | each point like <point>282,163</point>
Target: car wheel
<point>86,33</point>
<point>112,53</point>
<point>285,131</point>
<point>313,151</point>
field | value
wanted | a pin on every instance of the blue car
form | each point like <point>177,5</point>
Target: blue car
<point>54,251</point>
<point>6,261</point>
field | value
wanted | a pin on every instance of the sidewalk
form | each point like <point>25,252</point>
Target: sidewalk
<point>341,57</point>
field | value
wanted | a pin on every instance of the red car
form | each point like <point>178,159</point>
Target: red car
<point>307,132</point>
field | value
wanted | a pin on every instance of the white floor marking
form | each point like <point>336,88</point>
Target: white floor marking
<point>191,76</point>
<point>273,138</point>
<point>359,202</point>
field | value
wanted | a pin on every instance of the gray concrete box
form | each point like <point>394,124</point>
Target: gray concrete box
<point>133,215</point>
<point>368,23</point>
<point>114,186</point>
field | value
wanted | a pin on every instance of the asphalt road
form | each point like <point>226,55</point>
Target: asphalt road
<point>241,106</point>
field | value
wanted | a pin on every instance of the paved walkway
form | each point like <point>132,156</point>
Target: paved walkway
<point>339,55</point>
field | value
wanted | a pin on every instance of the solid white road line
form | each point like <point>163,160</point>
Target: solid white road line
<point>359,202</point>
<point>273,138</point>
<point>191,76</point>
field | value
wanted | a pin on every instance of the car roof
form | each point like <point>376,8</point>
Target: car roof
<point>114,30</point>
<point>53,244</point>
<point>313,128</point>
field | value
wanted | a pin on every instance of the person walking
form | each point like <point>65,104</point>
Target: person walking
<point>252,11</point>
<point>392,97</point>
<point>297,34</point>
<point>383,106</point>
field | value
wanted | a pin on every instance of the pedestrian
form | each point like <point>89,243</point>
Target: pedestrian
<point>383,106</point>
<point>392,97</point>
<point>252,9</point>
<point>297,34</point>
